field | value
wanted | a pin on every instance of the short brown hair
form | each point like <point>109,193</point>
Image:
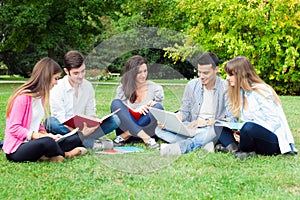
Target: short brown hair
<point>73,59</point>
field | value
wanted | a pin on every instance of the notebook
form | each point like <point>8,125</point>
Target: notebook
<point>172,122</point>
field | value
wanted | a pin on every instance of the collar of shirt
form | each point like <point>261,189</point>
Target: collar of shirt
<point>69,87</point>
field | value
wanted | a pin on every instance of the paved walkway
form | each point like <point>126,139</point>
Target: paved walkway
<point>103,83</point>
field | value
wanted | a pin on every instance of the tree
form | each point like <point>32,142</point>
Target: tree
<point>267,32</point>
<point>34,29</point>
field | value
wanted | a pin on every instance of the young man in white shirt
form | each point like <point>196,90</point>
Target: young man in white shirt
<point>75,95</point>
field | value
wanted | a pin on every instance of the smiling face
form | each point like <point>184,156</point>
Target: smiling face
<point>142,74</point>
<point>207,75</point>
<point>54,80</point>
<point>76,75</point>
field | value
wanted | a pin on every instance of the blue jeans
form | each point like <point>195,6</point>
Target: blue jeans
<point>188,144</point>
<point>253,137</point>
<point>128,123</point>
<point>52,125</point>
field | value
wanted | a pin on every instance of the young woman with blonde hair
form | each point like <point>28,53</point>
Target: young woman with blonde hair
<point>266,130</point>
<point>25,138</point>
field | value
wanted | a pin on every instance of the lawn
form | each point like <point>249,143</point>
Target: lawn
<point>146,175</point>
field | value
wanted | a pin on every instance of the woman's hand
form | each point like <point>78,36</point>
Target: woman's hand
<point>86,131</point>
<point>54,137</point>
<point>42,134</point>
<point>142,109</point>
<point>151,103</point>
<point>236,135</point>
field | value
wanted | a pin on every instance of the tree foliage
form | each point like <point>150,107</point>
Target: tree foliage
<point>33,29</point>
<point>267,32</point>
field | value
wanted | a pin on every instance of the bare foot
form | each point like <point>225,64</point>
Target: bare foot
<point>52,159</point>
<point>76,152</point>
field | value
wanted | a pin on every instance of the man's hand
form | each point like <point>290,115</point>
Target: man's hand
<point>197,123</point>
<point>86,131</point>
<point>161,126</point>
<point>201,123</point>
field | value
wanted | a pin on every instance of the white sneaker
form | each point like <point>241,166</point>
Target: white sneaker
<point>170,149</point>
<point>105,144</point>
<point>209,147</point>
<point>151,143</point>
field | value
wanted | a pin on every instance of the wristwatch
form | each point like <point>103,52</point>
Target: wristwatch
<point>207,121</point>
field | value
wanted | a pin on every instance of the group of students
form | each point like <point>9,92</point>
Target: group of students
<point>207,98</point>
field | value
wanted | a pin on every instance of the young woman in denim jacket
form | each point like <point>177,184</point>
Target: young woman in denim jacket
<point>266,130</point>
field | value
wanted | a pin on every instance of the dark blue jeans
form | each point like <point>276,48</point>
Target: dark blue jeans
<point>127,120</point>
<point>253,137</point>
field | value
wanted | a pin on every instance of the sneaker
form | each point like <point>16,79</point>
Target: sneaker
<point>151,143</point>
<point>170,149</point>
<point>244,155</point>
<point>221,148</point>
<point>119,141</point>
<point>209,147</point>
<point>105,144</point>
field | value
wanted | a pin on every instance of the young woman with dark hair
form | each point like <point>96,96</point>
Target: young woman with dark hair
<point>134,96</point>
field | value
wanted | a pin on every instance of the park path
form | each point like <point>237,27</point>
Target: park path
<point>103,83</point>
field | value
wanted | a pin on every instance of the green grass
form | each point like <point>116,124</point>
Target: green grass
<point>12,78</point>
<point>146,175</point>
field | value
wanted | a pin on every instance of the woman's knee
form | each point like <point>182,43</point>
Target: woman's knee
<point>48,142</point>
<point>115,104</point>
<point>158,106</point>
<point>248,127</point>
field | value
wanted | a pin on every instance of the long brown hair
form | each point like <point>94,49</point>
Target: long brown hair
<point>38,85</point>
<point>245,78</point>
<point>130,72</point>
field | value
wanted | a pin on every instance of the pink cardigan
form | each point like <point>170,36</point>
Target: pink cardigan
<point>18,123</point>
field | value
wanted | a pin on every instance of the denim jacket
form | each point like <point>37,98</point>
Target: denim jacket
<point>193,98</point>
<point>263,110</point>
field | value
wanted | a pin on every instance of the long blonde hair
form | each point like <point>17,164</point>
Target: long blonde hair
<point>245,78</point>
<point>38,85</point>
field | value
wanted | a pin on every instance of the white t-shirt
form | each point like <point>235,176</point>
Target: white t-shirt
<point>37,116</point>
<point>207,110</point>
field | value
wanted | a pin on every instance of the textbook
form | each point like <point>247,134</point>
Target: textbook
<point>135,115</point>
<point>68,134</point>
<point>121,150</point>
<point>231,125</point>
<point>77,120</point>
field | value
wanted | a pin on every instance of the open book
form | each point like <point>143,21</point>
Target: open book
<point>135,115</point>
<point>231,125</point>
<point>121,150</point>
<point>68,134</point>
<point>77,120</point>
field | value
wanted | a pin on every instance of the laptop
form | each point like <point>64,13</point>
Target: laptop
<point>172,122</point>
